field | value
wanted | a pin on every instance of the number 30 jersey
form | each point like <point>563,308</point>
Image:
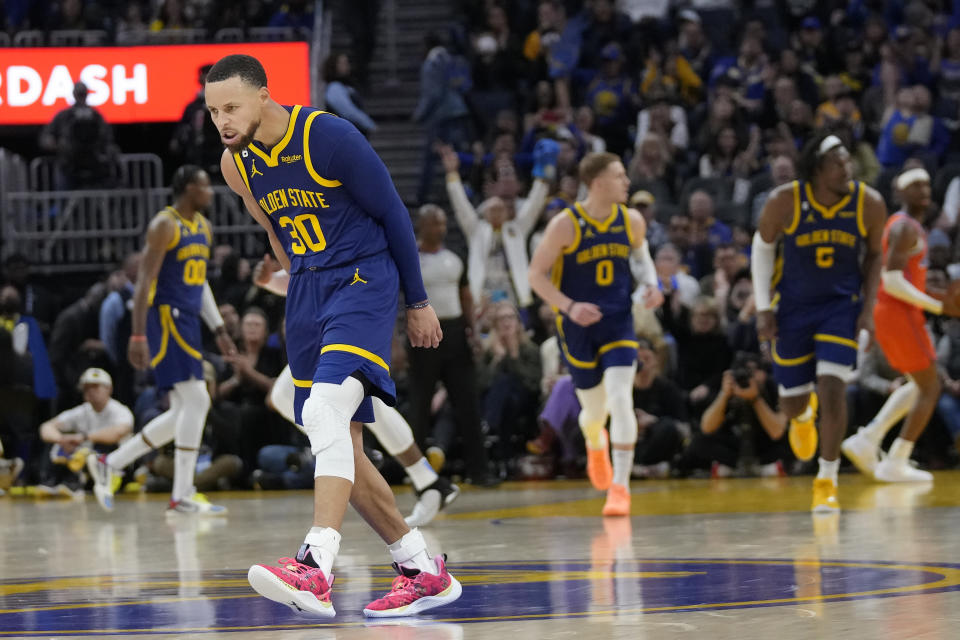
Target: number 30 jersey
<point>319,224</point>
<point>183,271</point>
<point>821,251</point>
<point>596,267</point>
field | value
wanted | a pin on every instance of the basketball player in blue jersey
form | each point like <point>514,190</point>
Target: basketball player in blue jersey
<point>825,277</point>
<point>170,298</point>
<point>338,227</point>
<point>582,268</point>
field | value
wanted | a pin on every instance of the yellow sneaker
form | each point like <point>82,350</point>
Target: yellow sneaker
<point>436,457</point>
<point>803,434</point>
<point>825,496</point>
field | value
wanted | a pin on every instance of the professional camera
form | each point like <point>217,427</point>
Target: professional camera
<point>742,370</point>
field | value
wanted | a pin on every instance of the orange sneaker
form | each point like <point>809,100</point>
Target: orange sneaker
<point>599,469</point>
<point>618,501</point>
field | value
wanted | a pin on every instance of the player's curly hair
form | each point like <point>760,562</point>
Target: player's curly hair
<point>247,68</point>
<point>810,157</point>
<point>185,175</point>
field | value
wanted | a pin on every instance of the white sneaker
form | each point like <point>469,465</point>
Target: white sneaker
<point>864,455</point>
<point>103,480</point>
<point>196,504</point>
<point>890,470</point>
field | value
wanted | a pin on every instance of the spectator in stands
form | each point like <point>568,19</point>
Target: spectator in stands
<point>341,96</point>
<point>360,18</point>
<point>231,321</point>
<point>727,263</point>
<point>667,120</point>
<point>948,75</point>
<point>27,340</point>
<point>37,301</point>
<point>652,168</point>
<point>132,23</point>
<point>452,364</point>
<point>73,15</point>
<point>741,314</point>
<point>441,108</point>
<point>605,24</point>
<point>669,74</point>
<point>776,104</point>
<point>646,204</point>
<point>584,122</point>
<point>894,146</point>
<point>612,97</point>
<point>17,432</point>
<point>839,106</point>
<point>494,56</point>
<point>170,15</point>
<point>782,171</point>
<point>296,14</point>
<point>672,278</point>
<point>510,380</point>
<point>115,327</point>
<point>498,259</point>
<point>694,48</point>
<point>83,143</point>
<point>99,424</point>
<point>803,80</point>
<point>730,156</point>
<point>196,139</point>
<point>745,408</point>
<point>928,134</point>
<point>553,48</point>
<point>700,208</point>
<point>723,113</point>
<point>75,345</point>
<point>662,416</point>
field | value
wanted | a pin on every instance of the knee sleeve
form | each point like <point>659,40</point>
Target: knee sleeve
<point>195,403</point>
<point>593,410</point>
<point>326,421</point>
<point>618,384</point>
<point>282,394</point>
<point>390,428</point>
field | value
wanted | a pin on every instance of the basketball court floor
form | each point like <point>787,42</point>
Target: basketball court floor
<point>698,559</point>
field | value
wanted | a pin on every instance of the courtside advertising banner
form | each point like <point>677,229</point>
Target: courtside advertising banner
<point>134,84</point>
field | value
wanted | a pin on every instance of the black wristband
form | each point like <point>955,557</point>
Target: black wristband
<point>419,305</point>
<point>570,307</point>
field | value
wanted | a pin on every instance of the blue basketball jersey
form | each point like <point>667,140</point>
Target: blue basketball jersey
<point>184,269</point>
<point>596,267</point>
<point>319,224</point>
<point>820,251</point>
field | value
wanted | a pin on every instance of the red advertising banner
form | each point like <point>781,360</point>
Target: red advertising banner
<point>134,84</point>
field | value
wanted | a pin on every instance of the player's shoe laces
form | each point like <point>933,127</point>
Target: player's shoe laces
<point>825,496</point>
<point>890,470</point>
<point>618,501</point>
<point>104,480</point>
<point>198,504</point>
<point>300,586</point>
<point>431,501</point>
<point>414,592</point>
<point>864,455</point>
<point>599,468</point>
<point>803,433</point>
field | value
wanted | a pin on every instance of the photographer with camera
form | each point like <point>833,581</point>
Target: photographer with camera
<point>740,424</point>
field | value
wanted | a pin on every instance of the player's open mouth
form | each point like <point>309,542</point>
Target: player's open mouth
<point>229,138</point>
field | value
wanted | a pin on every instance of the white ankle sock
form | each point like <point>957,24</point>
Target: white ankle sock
<point>900,450</point>
<point>622,466</point>
<point>410,551</point>
<point>421,474</point>
<point>892,411</point>
<point>828,469</point>
<point>324,544</point>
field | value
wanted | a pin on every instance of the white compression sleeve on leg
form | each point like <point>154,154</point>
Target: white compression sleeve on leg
<point>282,394</point>
<point>593,414</point>
<point>618,384</point>
<point>762,258</point>
<point>154,435</point>
<point>390,428</point>
<point>326,421</point>
<point>193,418</point>
<point>897,405</point>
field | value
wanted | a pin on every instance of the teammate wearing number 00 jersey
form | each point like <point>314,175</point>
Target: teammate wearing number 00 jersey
<point>171,297</point>
<point>583,268</point>
<point>338,227</point>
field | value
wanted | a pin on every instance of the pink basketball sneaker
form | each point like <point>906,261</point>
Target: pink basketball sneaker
<point>299,586</point>
<point>414,592</point>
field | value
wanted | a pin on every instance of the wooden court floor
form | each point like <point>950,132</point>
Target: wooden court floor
<point>698,559</point>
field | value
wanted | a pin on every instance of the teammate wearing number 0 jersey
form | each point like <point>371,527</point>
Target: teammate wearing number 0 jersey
<point>170,298</point>
<point>818,248</point>
<point>338,227</point>
<point>583,268</point>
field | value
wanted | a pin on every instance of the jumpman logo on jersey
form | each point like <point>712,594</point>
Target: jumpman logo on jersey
<point>357,278</point>
<point>253,166</point>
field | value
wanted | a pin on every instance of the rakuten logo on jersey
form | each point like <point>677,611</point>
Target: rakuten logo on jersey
<point>23,86</point>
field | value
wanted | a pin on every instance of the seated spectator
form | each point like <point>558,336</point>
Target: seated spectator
<point>667,120</point>
<point>729,156</point>
<point>672,278</point>
<point>509,375</point>
<point>27,340</point>
<point>727,263</point>
<point>662,418</point>
<point>743,410</point>
<point>605,24</point>
<point>544,115</point>
<point>584,121</point>
<point>722,113</point>
<point>297,14</point>
<point>700,209</point>
<point>894,147</point>
<point>855,74</point>
<point>776,104</point>
<point>667,73</point>
<point>341,97</point>
<point>99,424</point>
<point>695,49</point>
<point>696,256</point>
<point>782,171</point>
<point>74,342</point>
<point>613,98</point>
<point>652,168</point>
<point>171,14</point>
<point>646,204</point>
<point>839,106</point>
<point>741,314</point>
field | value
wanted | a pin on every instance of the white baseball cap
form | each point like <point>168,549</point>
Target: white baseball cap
<point>93,375</point>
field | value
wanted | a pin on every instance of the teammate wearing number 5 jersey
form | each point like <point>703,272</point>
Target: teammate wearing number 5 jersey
<point>815,293</point>
<point>583,268</point>
<point>171,297</point>
<point>337,225</point>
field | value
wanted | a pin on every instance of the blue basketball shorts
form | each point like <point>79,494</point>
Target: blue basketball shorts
<point>809,335</point>
<point>589,351</point>
<point>176,345</point>
<point>340,322</point>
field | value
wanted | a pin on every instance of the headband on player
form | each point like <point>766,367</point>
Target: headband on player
<point>907,178</point>
<point>829,144</point>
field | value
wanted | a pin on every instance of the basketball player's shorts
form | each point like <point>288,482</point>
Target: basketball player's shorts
<point>176,345</point>
<point>814,339</point>
<point>339,324</point>
<point>901,332</point>
<point>588,351</point>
